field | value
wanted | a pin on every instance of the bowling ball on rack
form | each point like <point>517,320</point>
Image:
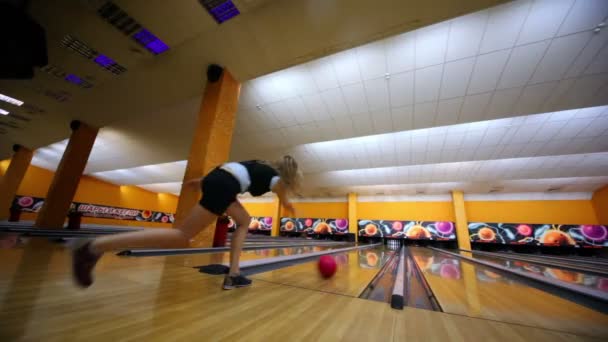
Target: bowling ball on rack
<point>327,266</point>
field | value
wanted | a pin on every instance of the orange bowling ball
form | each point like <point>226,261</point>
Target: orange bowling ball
<point>327,266</point>
<point>322,228</point>
<point>371,229</point>
<point>487,234</point>
<point>556,237</point>
<point>254,225</point>
<point>418,232</point>
<point>289,225</point>
<point>372,259</point>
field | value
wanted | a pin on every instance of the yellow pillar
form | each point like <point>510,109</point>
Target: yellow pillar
<point>462,226</point>
<point>353,227</point>
<point>211,142</point>
<point>65,181</point>
<point>600,205</point>
<point>276,216</point>
<point>9,184</point>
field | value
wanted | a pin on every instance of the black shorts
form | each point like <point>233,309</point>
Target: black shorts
<point>219,191</point>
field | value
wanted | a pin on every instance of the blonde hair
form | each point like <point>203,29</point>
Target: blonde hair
<point>290,174</point>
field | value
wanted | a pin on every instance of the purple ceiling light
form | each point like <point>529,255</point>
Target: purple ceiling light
<point>220,10</point>
<point>150,42</point>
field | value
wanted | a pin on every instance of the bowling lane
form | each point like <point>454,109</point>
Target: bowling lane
<point>466,288</point>
<point>355,271</point>
<point>192,260</point>
<point>578,279</point>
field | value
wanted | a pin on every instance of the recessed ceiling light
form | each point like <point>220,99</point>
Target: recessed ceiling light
<point>3,112</point>
<point>10,100</point>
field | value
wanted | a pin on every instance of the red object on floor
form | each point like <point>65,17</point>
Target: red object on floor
<point>15,215</point>
<point>221,231</point>
<point>327,266</point>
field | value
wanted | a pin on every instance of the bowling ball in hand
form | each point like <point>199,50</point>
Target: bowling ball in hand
<point>327,266</point>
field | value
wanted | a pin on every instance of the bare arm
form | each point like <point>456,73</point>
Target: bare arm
<point>193,183</point>
<point>281,191</point>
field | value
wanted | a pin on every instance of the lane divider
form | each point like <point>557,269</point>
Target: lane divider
<point>180,251</point>
<point>596,294</point>
<point>397,299</point>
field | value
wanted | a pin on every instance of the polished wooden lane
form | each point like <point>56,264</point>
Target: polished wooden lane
<point>466,289</point>
<point>192,260</point>
<point>353,275</point>
<point>149,299</point>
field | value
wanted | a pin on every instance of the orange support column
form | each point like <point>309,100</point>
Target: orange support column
<point>66,179</point>
<point>353,227</point>
<point>462,226</point>
<point>276,216</point>
<point>12,178</point>
<point>212,140</point>
<point>600,205</point>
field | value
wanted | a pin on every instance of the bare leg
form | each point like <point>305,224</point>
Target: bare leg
<point>242,218</point>
<point>197,219</point>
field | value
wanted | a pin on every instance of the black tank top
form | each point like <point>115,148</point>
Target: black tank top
<point>260,175</point>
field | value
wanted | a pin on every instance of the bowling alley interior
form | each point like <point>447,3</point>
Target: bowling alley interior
<point>448,159</point>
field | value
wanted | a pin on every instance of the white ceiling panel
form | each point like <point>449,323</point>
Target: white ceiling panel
<point>382,121</point>
<point>466,33</point>
<point>544,20</point>
<point>402,118</point>
<point>448,111</point>
<point>533,97</point>
<point>354,95</point>
<point>584,15</point>
<point>372,60</point>
<point>427,82</point>
<point>335,102</point>
<point>560,56</point>
<point>431,44</point>
<point>401,52</point>
<point>487,71</point>
<point>503,103</point>
<point>599,63</point>
<point>588,54</point>
<point>401,89</point>
<point>504,24</point>
<point>521,65</point>
<point>316,107</point>
<point>377,93</point>
<point>169,188</point>
<point>424,114</point>
<point>302,80</point>
<point>473,108</point>
<point>346,67</point>
<point>323,73</point>
<point>455,75</point>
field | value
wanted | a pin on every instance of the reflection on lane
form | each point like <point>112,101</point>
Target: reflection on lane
<point>465,288</point>
<point>571,277</point>
<point>192,260</point>
<point>355,271</point>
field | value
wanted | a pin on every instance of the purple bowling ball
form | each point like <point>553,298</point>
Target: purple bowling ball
<point>268,221</point>
<point>341,224</point>
<point>444,227</point>
<point>597,233</point>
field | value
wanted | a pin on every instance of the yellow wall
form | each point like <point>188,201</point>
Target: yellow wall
<point>264,209</point>
<point>416,211</point>
<point>561,212</point>
<point>90,190</point>
<point>319,210</point>
<point>600,205</point>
